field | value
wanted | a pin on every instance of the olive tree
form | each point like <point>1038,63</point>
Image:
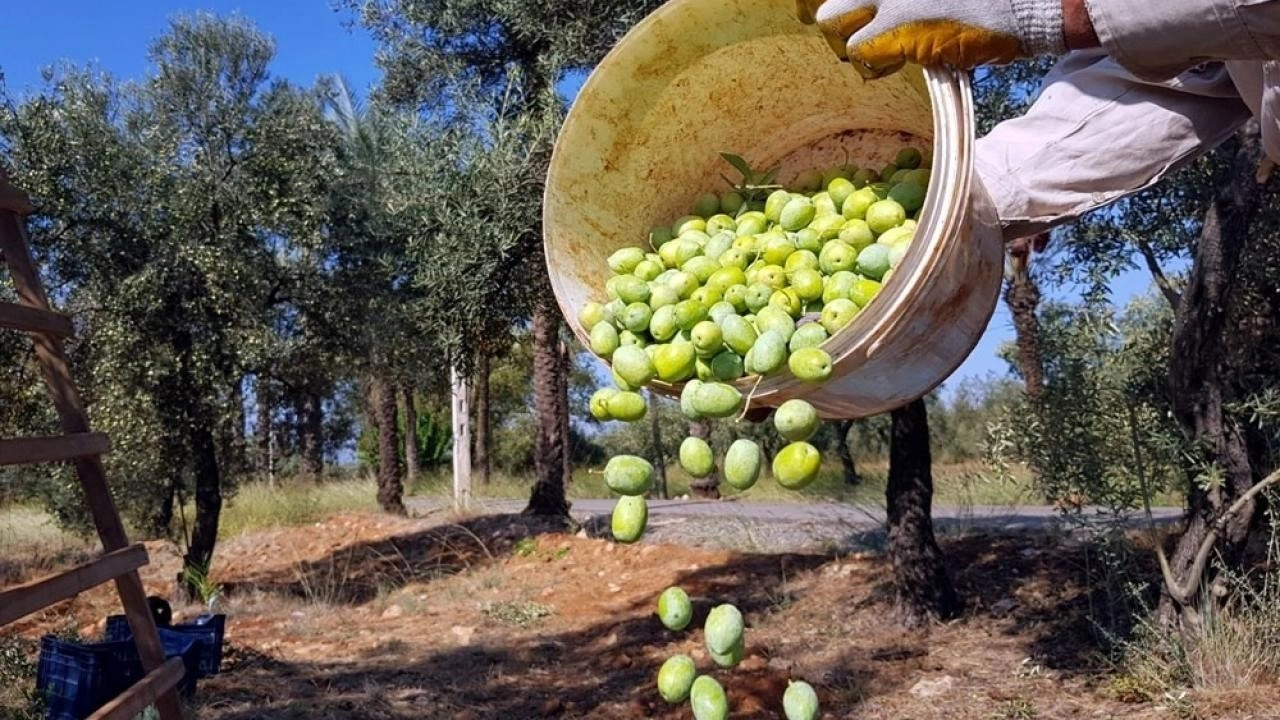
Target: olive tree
<point>511,55</point>
<point>154,198</point>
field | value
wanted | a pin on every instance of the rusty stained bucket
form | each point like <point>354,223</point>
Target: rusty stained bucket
<point>698,77</point>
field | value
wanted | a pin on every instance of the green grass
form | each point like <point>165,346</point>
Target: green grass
<point>258,505</point>
<point>955,485</point>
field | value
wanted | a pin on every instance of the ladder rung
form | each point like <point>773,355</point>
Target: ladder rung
<point>133,701</point>
<point>35,320</point>
<point>20,601</point>
<point>27,451</point>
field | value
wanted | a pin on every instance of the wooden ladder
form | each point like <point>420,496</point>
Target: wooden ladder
<point>120,560</point>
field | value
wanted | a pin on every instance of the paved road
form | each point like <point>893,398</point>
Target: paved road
<point>859,516</point>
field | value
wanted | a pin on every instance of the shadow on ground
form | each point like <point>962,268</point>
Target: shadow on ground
<point>1075,599</point>
<point>357,573</point>
<point>1035,585</point>
<point>599,671</point>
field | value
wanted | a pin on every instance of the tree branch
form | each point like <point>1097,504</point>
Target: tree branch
<point>1184,594</point>
<point>1162,281</point>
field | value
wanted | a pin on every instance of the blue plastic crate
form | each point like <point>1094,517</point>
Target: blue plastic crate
<point>72,678</point>
<point>209,630</point>
<point>75,679</point>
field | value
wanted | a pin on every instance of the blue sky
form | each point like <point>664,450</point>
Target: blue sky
<point>311,40</point>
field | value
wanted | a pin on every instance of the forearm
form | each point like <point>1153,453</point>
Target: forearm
<point>1077,28</point>
<point>1158,39</point>
<point>1097,134</point>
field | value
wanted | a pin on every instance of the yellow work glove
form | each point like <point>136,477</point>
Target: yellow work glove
<point>880,36</point>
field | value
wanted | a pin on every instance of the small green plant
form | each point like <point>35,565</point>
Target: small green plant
<point>207,591</point>
<point>517,613</point>
<point>526,546</point>
<point>68,631</point>
<point>1017,709</point>
<point>1127,689</point>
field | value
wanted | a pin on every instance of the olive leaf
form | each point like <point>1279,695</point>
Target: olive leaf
<point>738,163</point>
<point>753,182</point>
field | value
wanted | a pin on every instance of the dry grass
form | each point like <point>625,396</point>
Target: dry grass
<point>32,544</point>
<point>258,505</point>
<point>1235,646</point>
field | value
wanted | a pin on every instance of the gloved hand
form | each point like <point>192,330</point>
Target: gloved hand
<point>879,36</point>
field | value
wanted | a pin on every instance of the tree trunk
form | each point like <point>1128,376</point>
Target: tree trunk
<point>1200,378</point>
<point>923,589</point>
<point>707,488</point>
<point>411,463</point>
<point>548,496</point>
<point>390,489</point>
<point>851,476</point>
<point>233,438</point>
<point>482,462</point>
<point>1022,295</point>
<point>262,429</point>
<point>161,522</point>
<point>289,442</point>
<point>659,457</point>
<point>311,436</point>
<point>204,534</point>
<point>562,409</point>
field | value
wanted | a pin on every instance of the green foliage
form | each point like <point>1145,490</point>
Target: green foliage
<point>1102,431</point>
<point>394,174</point>
<point>430,50</point>
<point>167,212</point>
<point>433,435</point>
<point>478,273</point>
<point>18,698</point>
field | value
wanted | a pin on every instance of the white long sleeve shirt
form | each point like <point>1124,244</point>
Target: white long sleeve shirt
<point>1172,80</point>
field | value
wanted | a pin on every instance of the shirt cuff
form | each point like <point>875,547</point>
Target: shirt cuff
<point>1010,200</point>
<point>1040,22</point>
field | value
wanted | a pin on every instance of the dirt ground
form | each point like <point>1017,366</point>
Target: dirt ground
<point>366,616</point>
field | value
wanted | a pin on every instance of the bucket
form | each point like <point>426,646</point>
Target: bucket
<point>700,77</point>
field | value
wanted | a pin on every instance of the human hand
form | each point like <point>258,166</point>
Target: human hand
<point>879,36</point>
